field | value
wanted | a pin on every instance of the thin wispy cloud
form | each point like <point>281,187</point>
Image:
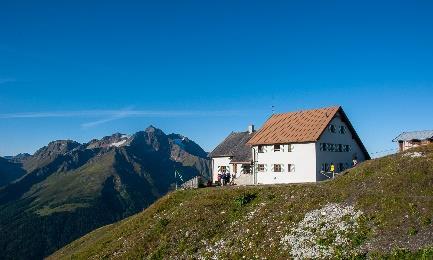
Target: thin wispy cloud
<point>105,116</point>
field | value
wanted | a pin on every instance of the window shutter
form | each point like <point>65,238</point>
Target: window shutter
<point>219,169</point>
<point>282,147</point>
<point>293,168</point>
<point>282,167</point>
<point>266,167</point>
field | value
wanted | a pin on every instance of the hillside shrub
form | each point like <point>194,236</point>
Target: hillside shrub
<point>245,198</point>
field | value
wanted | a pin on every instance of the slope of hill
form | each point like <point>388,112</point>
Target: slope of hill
<point>9,171</point>
<point>70,188</point>
<point>373,210</point>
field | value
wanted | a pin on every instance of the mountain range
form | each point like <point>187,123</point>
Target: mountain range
<point>67,189</point>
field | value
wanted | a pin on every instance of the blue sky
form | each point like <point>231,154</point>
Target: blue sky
<point>85,69</point>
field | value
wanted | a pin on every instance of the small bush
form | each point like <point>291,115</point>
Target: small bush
<point>162,223</point>
<point>412,231</point>
<point>245,198</point>
<point>426,221</point>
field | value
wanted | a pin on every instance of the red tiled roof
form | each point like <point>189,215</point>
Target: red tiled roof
<point>301,127</point>
<point>294,127</point>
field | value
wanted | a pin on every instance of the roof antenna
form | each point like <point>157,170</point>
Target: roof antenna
<point>273,109</point>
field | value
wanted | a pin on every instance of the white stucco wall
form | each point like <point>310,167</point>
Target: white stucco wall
<point>303,157</point>
<point>408,144</point>
<point>337,157</point>
<point>216,163</point>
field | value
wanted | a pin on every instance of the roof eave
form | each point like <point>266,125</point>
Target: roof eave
<point>241,162</point>
<point>288,142</point>
<point>219,156</point>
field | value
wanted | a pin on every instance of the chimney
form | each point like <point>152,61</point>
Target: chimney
<point>251,129</point>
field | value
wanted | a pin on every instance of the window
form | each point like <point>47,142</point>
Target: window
<point>223,169</point>
<point>322,147</point>
<point>246,169</point>
<point>277,148</point>
<point>335,147</point>
<point>261,149</point>
<point>290,147</point>
<point>277,168</point>
<point>332,128</point>
<point>261,167</point>
<point>330,147</point>
<point>345,148</point>
<point>291,168</point>
<point>342,130</point>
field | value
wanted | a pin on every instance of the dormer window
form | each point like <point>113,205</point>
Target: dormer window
<point>260,149</point>
<point>332,128</point>
<point>277,148</point>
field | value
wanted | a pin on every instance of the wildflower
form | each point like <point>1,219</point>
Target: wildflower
<point>323,232</point>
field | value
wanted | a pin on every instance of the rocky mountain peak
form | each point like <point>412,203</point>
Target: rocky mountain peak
<point>57,147</point>
<point>151,137</point>
<point>114,140</point>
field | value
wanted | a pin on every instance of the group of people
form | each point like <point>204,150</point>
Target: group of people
<point>225,178</point>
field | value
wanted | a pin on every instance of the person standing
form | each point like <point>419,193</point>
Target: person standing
<point>354,162</point>
<point>233,179</point>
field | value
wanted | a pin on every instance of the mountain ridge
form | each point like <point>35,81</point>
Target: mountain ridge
<point>70,188</point>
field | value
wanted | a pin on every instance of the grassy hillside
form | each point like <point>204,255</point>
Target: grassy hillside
<point>383,208</point>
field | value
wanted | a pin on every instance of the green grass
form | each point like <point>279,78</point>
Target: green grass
<point>395,193</point>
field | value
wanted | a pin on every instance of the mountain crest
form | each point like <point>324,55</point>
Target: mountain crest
<point>69,188</point>
<point>57,147</point>
<point>115,140</point>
